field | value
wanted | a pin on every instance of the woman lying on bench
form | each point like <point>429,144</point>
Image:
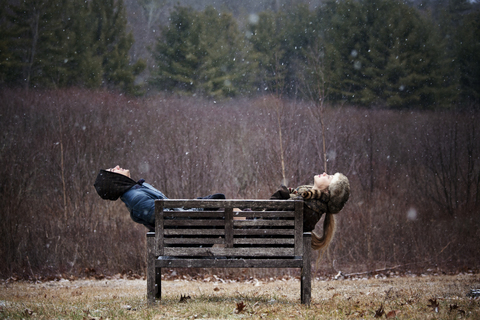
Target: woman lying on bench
<point>328,195</point>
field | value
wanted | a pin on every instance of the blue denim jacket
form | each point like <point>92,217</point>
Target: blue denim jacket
<point>140,201</point>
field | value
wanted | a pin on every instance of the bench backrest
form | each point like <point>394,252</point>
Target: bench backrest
<point>233,228</point>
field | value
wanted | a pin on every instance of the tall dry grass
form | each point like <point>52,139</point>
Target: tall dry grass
<point>414,175</point>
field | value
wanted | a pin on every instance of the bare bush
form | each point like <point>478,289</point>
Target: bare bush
<point>414,175</point>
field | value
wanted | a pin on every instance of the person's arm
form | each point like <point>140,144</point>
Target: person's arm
<point>281,194</point>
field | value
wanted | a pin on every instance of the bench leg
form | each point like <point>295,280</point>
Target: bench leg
<point>306,274</point>
<point>151,277</point>
<point>158,283</point>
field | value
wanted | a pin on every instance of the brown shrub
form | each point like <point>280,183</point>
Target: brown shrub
<point>415,175</point>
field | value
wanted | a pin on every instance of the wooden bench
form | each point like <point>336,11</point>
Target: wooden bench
<point>265,234</point>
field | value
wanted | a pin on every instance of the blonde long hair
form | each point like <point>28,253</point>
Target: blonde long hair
<point>322,243</point>
<point>339,192</point>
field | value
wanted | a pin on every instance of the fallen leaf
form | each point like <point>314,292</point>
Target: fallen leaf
<point>76,293</point>
<point>453,307</point>
<point>380,312</point>
<point>216,289</point>
<point>433,304</point>
<point>240,307</point>
<point>393,313</point>
<point>27,312</point>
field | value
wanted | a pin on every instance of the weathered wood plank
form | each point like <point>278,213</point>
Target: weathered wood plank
<point>264,241</point>
<point>298,228</point>
<point>252,204</point>
<point>150,268</point>
<point>194,214</point>
<point>229,263</point>
<point>194,223</point>
<point>263,223</point>
<point>191,241</point>
<point>229,227</point>
<point>159,228</point>
<point>265,214</point>
<point>236,241</point>
<point>194,232</point>
<point>263,232</point>
<point>280,242</point>
<point>306,272</point>
<point>216,252</point>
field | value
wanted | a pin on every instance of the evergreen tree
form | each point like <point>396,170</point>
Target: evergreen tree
<point>69,42</point>
<point>84,63</point>
<point>223,71</point>
<point>6,57</point>
<point>177,53</point>
<point>384,53</point>
<point>266,35</point>
<point>112,43</point>
<point>468,57</point>
<point>36,39</point>
<point>201,52</point>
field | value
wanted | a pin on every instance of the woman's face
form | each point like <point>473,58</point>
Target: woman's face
<point>117,169</point>
<point>322,181</point>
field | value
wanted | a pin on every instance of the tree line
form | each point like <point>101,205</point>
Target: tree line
<point>381,53</point>
<point>62,43</point>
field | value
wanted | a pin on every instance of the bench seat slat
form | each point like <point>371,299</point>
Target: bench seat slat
<point>193,223</point>
<point>265,214</point>
<point>228,263</point>
<point>193,241</point>
<point>263,222</point>
<point>264,241</point>
<point>251,204</point>
<point>263,232</point>
<point>236,223</point>
<point>221,214</point>
<point>236,241</point>
<point>194,232</point>
<point>193,214</point>
<point>214,252</point>
<point>236,232</point>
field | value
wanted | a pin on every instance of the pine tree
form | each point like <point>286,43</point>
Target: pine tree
<point>6,57</point>
<point>177,53</point>
<point>223,71</point>
<point>468,57</point>
<point>385,54</point>
<point>201,52</point>
<point>59,43</point>
<point>83,61</point>
<point>266,35</point>
<point>112,43</point>
<point>35,42</point>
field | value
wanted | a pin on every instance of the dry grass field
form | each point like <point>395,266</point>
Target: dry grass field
<point>406,297</point>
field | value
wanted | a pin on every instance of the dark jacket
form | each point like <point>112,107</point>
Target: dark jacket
<point>314,203</point>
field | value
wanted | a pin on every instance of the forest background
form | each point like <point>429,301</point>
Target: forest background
<point>235,97</point>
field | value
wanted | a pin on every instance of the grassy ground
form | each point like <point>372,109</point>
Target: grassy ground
<point>420,297</point>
